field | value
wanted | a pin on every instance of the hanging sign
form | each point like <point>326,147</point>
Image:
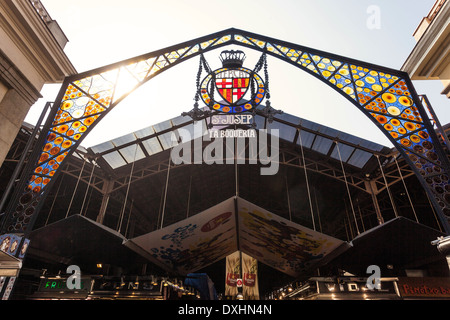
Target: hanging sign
<point>248,281</point>
<point>232,119</point>
<point>250,278</point>
<point>232,89</point>
<point>233,270</point>
<point>60,285</point>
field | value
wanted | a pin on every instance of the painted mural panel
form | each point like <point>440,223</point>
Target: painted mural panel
<point>195,242</point>
<point>280,243</point>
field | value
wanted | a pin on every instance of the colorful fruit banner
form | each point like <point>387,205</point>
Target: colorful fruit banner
<point>232,274</point>
<point>250,277</point>
<point>193,243</point>
<point>15,247</point>
<point>9,243</point>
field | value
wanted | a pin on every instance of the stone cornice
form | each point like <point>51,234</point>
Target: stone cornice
<point>14,79</point>
<point>35,42</point>
<point>432,50</point>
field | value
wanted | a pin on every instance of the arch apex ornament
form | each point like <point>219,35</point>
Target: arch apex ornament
<point>387,96</point>
<point>232,58</point>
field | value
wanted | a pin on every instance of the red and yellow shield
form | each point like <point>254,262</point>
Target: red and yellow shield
<point>232,85</point>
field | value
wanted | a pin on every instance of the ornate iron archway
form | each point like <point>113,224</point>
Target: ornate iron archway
<point>386,96</point>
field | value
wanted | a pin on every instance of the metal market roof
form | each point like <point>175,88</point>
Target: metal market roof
<point>354,151</point>
<point>155,142</point>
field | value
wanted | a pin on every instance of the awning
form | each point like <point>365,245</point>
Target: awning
<point>193,243</point>
<point>400,243</point>
<point>9,265</point>
<point>79,240</point>
<point>236,224</point>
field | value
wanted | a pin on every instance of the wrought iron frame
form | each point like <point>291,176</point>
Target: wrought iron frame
<point>85,98</point>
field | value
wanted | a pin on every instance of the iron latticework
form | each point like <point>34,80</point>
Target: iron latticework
<point>386,96</point>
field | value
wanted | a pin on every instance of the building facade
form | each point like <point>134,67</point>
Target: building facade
<point>31,55</point>
<point>430,58</point>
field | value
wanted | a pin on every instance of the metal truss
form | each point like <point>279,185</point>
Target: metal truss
<point>294,159</point>
<point>288,157</point>
<point>392,173</point>
<point>386,96</point>
<point>115,187</point>
<point>144,173</point>
<point>84,175</point>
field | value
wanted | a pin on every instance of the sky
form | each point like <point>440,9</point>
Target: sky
<point>102,32</point>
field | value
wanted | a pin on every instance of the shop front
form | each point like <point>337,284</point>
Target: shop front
<point>114,288</point>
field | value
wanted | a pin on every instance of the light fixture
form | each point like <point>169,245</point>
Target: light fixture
<point>44,271</point>
<point>99,265</point>
<point>154,280</point>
